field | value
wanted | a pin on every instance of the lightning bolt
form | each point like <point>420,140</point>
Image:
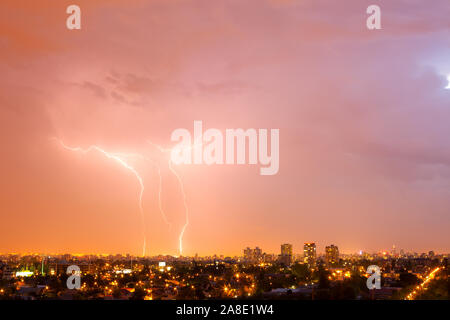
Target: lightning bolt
<point>118,157</point>
<point>186,210</point>
<point>159,198</point>
<point>181,185</point>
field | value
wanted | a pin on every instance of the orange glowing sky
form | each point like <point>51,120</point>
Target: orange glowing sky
<point>363,117</point>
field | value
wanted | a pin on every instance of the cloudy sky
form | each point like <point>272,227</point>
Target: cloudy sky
<point>363,116</point>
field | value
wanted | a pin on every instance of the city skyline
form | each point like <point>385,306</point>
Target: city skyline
<point>300,252</point>
<point>257,276</point>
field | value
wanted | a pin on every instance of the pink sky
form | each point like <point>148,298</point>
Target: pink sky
<point>363,118</point>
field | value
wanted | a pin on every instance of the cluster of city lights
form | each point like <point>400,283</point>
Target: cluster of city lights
<point>422,286</point>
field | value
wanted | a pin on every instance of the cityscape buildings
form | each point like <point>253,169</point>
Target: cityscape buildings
<point>309,252</point>
<point>256,275</point>
<point>253,255</point>
<point>286,254</point>
<point>332,255</point>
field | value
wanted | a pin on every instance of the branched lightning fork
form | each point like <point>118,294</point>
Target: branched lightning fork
<point>180,182</point>
<point>118,158</point>
<point>159,198</point>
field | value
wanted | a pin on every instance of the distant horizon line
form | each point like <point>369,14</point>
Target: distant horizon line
<point>204,255</point>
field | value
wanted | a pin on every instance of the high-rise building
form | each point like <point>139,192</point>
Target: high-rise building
<point>253,255</point>
<point>332,255</point>
<point>309,253</point>
<point>248,254</point>
<point>257,254</point>
<point>286,254</point>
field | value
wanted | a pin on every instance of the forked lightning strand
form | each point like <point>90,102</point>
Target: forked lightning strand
<point>186,210</point>
<point>118,158</point>
<point>180,182</point>
<point>160,200</point>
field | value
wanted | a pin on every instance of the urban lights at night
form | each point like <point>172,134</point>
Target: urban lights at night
<point>224,155</point>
